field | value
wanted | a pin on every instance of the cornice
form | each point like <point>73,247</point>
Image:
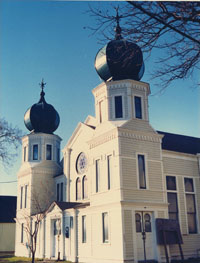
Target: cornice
<point>179,155</point>
<point>128,83</point>
<point>111,135</point>
<point>42,135</point>
<point>146,204</point>
<point>140,135</point>
<point>120,132</point>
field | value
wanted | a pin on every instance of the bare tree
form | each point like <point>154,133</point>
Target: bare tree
<point>170,27</point>
<point>10,139</point>
<point>31,228</point>
<point>33,217</point>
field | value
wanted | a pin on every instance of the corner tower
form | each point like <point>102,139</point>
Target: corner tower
<point>40,158</point>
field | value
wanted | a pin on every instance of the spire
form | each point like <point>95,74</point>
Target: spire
<point>118,28</point>
<point>42,85</point>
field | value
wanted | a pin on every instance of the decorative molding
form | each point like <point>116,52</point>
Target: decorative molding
<point>142,86</point>
<point>146,204</point>
<point>138,135</point>
<point>118,132</point>
<point>179,155</point>
<point>103,139</point>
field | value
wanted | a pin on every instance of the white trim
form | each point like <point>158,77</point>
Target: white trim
<point>52,152</point>
<point>123,106</point>
<point>196,205</point>
<point>38,159</point>
<point>111,171</point>
<point>146,170</point>
<point>182,156</point>
<point>142,106</point>
<point>177,192</point>
<point>108,242</point>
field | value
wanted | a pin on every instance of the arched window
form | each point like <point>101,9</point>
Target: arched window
<point>78,188</point>
<point>138,223</point>
<point>85,187</point>
<point>147,222</point>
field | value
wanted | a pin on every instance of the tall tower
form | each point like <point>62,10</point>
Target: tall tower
<point>40,158</point>
<point>122,96</point>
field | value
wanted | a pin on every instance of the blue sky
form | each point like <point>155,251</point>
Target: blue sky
<point>47,39</point>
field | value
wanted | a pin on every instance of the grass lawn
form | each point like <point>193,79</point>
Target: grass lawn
<point>6,258</point>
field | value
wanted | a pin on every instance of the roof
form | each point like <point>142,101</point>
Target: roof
<point>180,143</point>
<point>8,209</point>
<point>68,205</point>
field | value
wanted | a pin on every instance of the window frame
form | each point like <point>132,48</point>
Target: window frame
<point>35,153</point>
<point>61,191</point>
<point>85,187</point>
<point>195,213</point>
<point>21,197</point>
<point>175,192</point>
<point>47,152</point>
<point>113,106</point>
<point>97,175</point>
<point>58,192</point>
<point>78,188</point>
<point>121,107</point>
<point>25,195</point>
<point>22,233</point>
<point>145,169</point>
<point>25,153</point>
<point>105,231</point>
<point>100,104</point>
<point>58,154</point>
<point>84,231</point>
<point>109,159</point>
<point>141,107</point>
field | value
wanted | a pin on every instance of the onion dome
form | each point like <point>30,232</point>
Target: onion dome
<point>119,59</point>
<point>42,117</point>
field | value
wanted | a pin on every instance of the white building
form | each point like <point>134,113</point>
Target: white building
<point>117,177</point>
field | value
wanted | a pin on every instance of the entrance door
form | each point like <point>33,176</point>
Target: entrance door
<point>144,234</point>
<point>56,232</point>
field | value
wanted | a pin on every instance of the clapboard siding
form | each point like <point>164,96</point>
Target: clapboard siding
<point>128,229</point>
<point>130,177</point>
<point>138,125</point>
<point>180,166</point>
<point>131,146</point>
<point>155,175</point>
<point>143,195</point>
<point>129,174</point>
<point>191,243</point>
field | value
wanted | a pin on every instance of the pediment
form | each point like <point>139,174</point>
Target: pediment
<point>81,128</point>
<point>54,208</point>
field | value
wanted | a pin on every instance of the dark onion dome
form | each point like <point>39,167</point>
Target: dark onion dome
<point>119,59</point>
<point>41,117</point>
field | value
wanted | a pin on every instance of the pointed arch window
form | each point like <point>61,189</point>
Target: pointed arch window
<point>78,188</point>
<point>85,187</point>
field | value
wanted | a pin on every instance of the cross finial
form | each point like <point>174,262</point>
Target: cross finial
<point>118,28</point>
<point>42,85</point>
